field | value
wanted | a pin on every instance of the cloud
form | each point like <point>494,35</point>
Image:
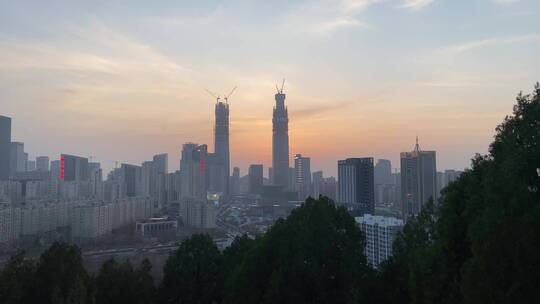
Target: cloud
<point>416,4</point>
<point>469,46</point>
<point>326,18</point>
<point>505,1</point>
<point>336,24</point>
<point>318,110</point>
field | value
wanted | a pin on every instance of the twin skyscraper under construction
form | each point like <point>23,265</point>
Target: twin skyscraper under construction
<point>219,162</point>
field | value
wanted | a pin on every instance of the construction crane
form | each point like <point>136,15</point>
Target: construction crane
<point>280,91</point>
<point>217,97</point>
<point>227,97</point>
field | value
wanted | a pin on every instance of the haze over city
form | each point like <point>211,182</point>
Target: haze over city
<point>124,81</point>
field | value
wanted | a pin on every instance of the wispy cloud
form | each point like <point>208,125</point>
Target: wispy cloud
<point>416,4</point>
<point>505,1</point>
<point>326,17</point>
<point>492,41</point>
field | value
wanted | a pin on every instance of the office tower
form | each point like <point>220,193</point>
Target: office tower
<point>317,181</point>
<point>174,186</point>
<point>355,184</point>
<point>161,169</point>
<point>292,181</point>
<point>302,176</point>
<point>73,168</point>
<point>17,158</point>
<point>280,142</point>
<point>42,163</point>
<point>235,182</point>
<point>329,187</point>
<point>384,183</point>
<point>221,145</point>
<point>5,147</point>
<point>30,165</point>
<point>55,169</point>
<point>193,168</point>
<point>147,178</point>
<point>131,177</point>
<point>255,179</point>
<point>96,180</point>
<point>26,162</point>
<point>216,173</point>
<point>418,180</point>
<point>383,172</point>
<point>380,234</point>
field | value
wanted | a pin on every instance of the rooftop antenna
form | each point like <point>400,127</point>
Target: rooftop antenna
<point>417,146</point>
<point>227,97</point>
<point>217,97</point>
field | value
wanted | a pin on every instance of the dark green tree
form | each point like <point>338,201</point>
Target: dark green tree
<point>314,256</point>
<point>193,273</point>
<point>17,280</point>
<point>484,245</point>
<point>119,283</point>
<point>61,278</point>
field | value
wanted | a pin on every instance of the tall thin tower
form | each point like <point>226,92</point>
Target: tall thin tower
<point>221,140</point>
<point>280,141</point>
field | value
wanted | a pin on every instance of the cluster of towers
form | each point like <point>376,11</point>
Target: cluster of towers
<point>219,179</point>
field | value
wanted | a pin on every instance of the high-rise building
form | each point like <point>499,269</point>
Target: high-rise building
<point>96,180</point>
<point>355,184</point>
<point>221,145</point>
<point>317,180</point>
<point>17,158</point>
<point>148,179</point>
<point>280,142</point>
<point>418,180</point>
<point>174,186</point>
<point>235,182</point>
<point>161,169</point>
<point>74,168</point>
<point>30,165</point>
<point>383,172</point>
<point>5,147</point>
<point>216,173</point>
<point>302,176</point>
<point>193,168</point>
<point>131,177</point>
<point>380,234</point>
<point>42,163</point>
<point>255,179</point>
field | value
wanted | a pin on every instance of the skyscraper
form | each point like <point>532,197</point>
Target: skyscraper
<point>418,180</point>
<point>131,177</point>
<point>5,147</point>
<point>235,181</point>
<point>74,168</point>
<point>17,158</point>
<point>280,141</point>
<point>193,171</point>
<point>383,172</point>
<point>42,163</point>
<point>221,143</point>
<point>302,176</point>
<point>355,184</point>
<point>161,169</point>
<point>255,179</point>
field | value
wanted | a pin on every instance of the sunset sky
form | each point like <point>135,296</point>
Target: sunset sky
<point>124,80</point>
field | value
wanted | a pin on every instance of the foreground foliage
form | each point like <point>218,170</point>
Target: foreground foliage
<point>482,243</point>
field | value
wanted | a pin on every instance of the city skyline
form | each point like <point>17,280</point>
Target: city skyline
<point>124,87</point>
